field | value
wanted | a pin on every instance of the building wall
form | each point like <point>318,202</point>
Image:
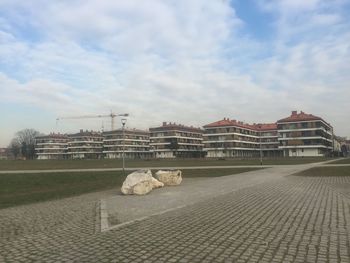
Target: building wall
<point>174,140</point>
<point>304,152</point>
<point>134,144</point>
<point>85,145</point>
<point>51,147</point>
<point>230,138</point>
<point>309,138</point>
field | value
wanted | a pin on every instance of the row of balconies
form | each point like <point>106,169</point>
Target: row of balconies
<point>109,144</point>
<point>303,125</point>
<point>231,130</point>
<point>175,134</point>
<point>126,137</point>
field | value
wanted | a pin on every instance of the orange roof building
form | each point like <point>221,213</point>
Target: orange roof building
<point>173,140</point>
<point>231,138</point>
<point>302,135</point>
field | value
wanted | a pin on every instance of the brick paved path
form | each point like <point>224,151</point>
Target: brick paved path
<point>291,219</point>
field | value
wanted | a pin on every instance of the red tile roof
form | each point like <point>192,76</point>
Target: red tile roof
<point>227,122</point>
<point>266,126</point>
<point>302,116</point>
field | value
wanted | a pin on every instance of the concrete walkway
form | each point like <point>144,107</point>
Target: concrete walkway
<point>120,209</point>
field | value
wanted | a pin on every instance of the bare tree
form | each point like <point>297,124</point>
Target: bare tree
<point>25,141</point>
<point>15,147</point>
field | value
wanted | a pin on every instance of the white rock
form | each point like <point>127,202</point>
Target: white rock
<point>142,188</point>
<point>156,183</point>
<point>169,177</point>
<point>140,182</point>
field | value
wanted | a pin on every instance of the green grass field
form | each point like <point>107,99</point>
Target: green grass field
<point>342,161</point>
<point>18,189</point>
<point>117,163</point>
<point>326,171</point>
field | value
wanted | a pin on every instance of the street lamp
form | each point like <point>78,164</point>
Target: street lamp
<point>113,115</point>
<point>123,128</point>
<point>261,160</point>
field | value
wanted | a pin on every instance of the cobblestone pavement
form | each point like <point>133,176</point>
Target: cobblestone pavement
<point>289,219</point>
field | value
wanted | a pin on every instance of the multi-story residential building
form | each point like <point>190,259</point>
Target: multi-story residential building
<point>174,140</point>
<point>134,142</point>
<point>231,138</point>
<point>268,139</point>
<point>52,146</point>
<point>85,145</point>
<point>304,134</point>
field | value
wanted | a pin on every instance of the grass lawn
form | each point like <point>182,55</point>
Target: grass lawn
<point>342,161</point>
<point>327,171</point>
<point>117,163</point>
<point>18,189</point>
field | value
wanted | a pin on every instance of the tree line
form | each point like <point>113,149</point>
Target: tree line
<point>23,144</point>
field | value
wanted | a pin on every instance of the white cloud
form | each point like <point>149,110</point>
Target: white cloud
<point>182,61</point>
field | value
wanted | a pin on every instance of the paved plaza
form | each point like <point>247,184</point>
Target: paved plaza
<point>259,216</point>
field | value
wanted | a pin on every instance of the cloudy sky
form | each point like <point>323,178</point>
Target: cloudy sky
<point>185,61</point>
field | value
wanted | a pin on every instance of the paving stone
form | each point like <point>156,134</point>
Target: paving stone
<point>288,219</point>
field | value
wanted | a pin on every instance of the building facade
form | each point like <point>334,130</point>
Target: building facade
<point>85,145</point>
<point>303,134</point>
<point>136,144</point>
<point>268,139</point>
<point>230,138</point>
<point>52,146</point>
<point>298,135</point>
<point>173,140</point>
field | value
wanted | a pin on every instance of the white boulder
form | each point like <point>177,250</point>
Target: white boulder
<point>140,182</point>
<point>169,177</point>
<point>142,188</point>
<point>156,183</point>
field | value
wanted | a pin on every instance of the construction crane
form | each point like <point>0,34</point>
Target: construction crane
<point>111,115</point>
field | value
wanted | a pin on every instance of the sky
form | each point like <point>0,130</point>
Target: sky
<point>185,61</point>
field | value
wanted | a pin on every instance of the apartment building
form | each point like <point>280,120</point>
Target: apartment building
<point>303,134</point>
<point>175,140</point>
<point>136,144</point>
<point>52,146</point>
<point>232,138</point>
<point>268,139</point>
<point>85,145</point>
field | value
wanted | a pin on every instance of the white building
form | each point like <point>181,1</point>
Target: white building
<point>52,146</point>
<point>303,134</point>
<point>85,145</point>
<point>173,140</point>
<point>136,144</point>
<point>230,138</point>
<point>268,139</point>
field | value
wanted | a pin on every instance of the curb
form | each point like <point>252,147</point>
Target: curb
<point>103,216</point>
